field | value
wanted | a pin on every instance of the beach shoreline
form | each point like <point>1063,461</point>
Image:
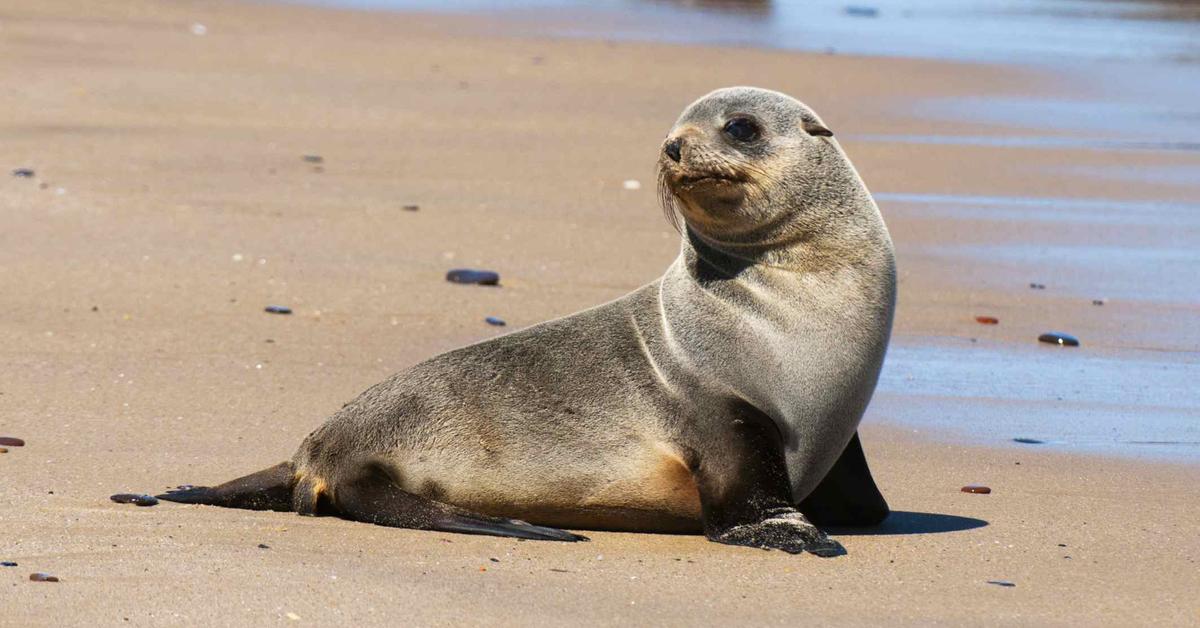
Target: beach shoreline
<point>171,201</point>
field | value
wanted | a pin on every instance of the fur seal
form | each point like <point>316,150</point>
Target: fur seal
<point>723,398</point>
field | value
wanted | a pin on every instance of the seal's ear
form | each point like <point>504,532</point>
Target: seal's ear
<point>816,129</point>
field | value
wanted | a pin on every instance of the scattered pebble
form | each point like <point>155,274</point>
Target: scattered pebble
<point>7,563</point>
<point>1002,583</point>
<point>314,159</point>
<point>9,441</point>
<point>42,577</point>
<point>498,322</point>
<point>293,616</point>
<point>1099,301</point>
<point>198,29</point>
<point>24,173</point>
<point>862,11</point>
<point>3,450</point>
<point>1059,338</point>
<point>987,320</point>
<point>412,208</point>
<point>135,498</point>
<point>494,560</point>
<point>263,546</point>
<point>466,275</point>
<point>632,184</point>
<point>277,309</point>
<point>1038,286</point>
<point>559,570</point>
<point>978,489</point>
<point>1029,441</point>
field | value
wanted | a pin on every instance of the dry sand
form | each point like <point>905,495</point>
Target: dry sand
<point>137,355</point>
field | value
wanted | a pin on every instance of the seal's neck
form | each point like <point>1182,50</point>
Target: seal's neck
<point>858,244</point>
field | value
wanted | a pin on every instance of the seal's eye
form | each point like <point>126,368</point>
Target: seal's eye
<point>742,129</point>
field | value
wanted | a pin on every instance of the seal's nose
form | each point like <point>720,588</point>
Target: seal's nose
<point>672,149</point>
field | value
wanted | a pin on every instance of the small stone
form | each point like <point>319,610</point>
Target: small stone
<point>263,546</point>
<point>494,560</point>
<point>7,563</point>
<point>293,616</point>
<point>1059,338</point>
<point>862,11</point>
<point>1029,441</point>
<point>977,489</point>
<point>3,450</point>
<point>42,577</point>
<point>987,320</point>
<point>1099,301</point>
<point>632,184</point>
<point>135,498</point>
<point>198,29</point>
<point>314,159</point>
<point>1038,286</point>
<point>480,277</point>
<point>412,208</point>
<point>24,173</point>
<point>277,309</point>
<point>498,322</point>
<point>1002,583</point>
<point>10,441</point>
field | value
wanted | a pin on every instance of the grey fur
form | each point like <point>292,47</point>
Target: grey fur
<point>619,417</point>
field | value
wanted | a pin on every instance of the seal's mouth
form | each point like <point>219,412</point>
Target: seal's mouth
<point>687,181</point>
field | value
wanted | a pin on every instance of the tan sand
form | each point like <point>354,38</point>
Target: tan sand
<point>137,356</point>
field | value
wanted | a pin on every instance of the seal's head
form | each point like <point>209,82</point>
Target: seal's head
<point>749,165</point>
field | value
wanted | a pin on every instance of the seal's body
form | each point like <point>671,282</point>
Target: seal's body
<point>722,398</point>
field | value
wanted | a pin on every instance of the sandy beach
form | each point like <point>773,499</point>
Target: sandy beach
<point>171,201</point>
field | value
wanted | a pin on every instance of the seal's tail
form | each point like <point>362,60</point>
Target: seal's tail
<point>371,496</point>
<point>269,489</point>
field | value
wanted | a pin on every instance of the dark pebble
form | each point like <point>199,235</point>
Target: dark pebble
<point>987,320</point>
<point>480,277</point>
<point>1029,441</point>
<point>42,577</point>
<point>263,546</point>
<point>1002,583</point>
<point>24,173</point>
<point>978,489</point>
<point>3,450</point>
<point>1059,338</point>
<point>277,309</point>
<point>7,563</point>
<point>1099,301</point>
<point>314,159</point>
<point>498,322</point>
<point>10,441</point>
<point>412,208</point>
<point>135,498</point>
<point>1038,286</point>
<point>494,560</point>
<point>861,11</point>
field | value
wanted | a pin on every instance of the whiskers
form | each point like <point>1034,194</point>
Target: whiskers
<point>667,200</point>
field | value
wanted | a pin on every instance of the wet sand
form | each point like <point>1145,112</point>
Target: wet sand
<point>176,205</point>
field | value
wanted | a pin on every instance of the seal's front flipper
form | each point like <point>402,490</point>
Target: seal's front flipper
<point>375,498</point>
<point>269,489</point>
<point>745,494</point>
<point>848,495</point>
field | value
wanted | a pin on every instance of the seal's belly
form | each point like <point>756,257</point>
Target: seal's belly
<point>645,487</point>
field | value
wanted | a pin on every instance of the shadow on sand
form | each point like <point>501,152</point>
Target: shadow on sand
<point>907,522</point>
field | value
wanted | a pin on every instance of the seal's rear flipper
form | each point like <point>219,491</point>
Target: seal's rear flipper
<point>848,495</point>
<point>375,498</point>
<point>269,489</point>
